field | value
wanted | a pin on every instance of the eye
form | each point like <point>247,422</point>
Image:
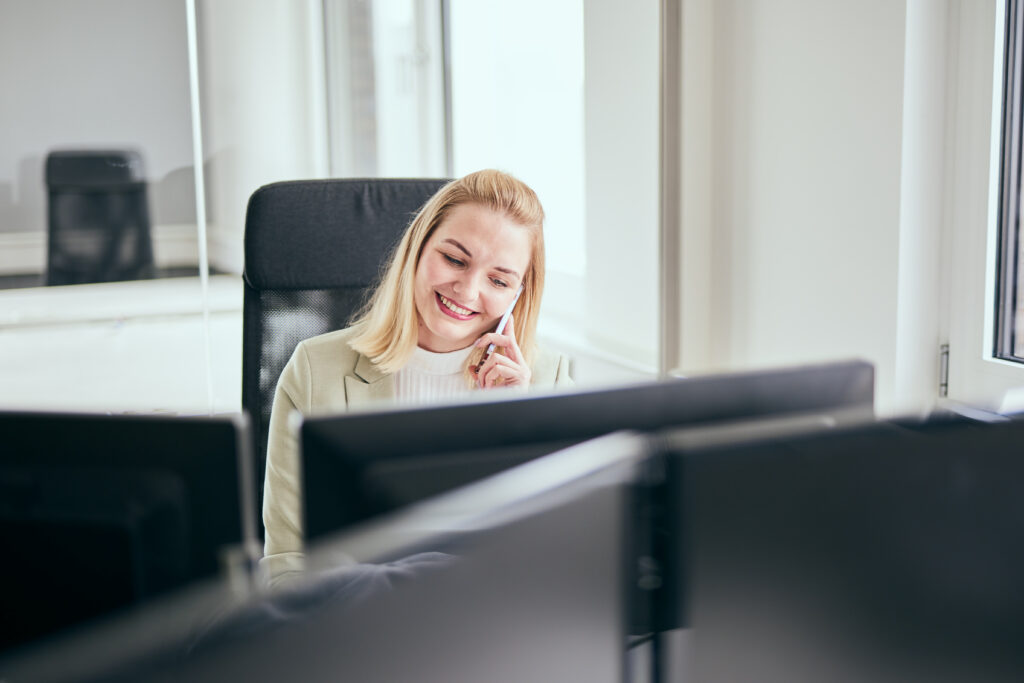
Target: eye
<point>498,283</point>
<point>452,260</point>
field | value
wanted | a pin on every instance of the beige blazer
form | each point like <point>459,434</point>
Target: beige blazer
<point>325,375</point>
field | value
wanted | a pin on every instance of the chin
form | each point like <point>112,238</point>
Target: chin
<point>461,340</point>
<point>452,335</point>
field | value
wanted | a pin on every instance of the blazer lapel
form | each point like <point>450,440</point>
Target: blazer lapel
<point>368,384</point>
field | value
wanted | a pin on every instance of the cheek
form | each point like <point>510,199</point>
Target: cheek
<point>429,274</point>
<point>498,302</point>
<point>422,289</point>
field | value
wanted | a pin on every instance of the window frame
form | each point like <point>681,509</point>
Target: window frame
<point>977,376</point>
<point>1012,120</point>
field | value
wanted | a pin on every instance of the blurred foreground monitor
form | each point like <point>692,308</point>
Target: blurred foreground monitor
<point>519,577</point>
<point>103,512</point>
<point>887,552</point>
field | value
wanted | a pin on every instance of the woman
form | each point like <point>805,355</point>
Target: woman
<point>424,332</point>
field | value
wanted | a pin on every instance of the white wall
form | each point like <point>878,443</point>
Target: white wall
<point>621,112</point>
<point>262,104</point>
<point>803,204</point>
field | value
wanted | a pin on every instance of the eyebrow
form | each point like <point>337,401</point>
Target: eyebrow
<point>458,244</point>
<point>465,251</point>
<point>508,271</point>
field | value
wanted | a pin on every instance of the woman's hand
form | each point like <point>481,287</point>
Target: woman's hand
<point>503,370</point>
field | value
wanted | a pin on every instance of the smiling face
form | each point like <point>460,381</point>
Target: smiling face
<point>467,276</point>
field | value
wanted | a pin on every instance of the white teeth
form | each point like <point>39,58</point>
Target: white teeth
<point>451,306</point>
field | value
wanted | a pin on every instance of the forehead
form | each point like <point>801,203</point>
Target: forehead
<point>488,235</point>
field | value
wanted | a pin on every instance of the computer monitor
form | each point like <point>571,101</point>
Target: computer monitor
<point>99,512</point>
<point>359,465</point>
<point>889,552</point>
<point>519,577</point>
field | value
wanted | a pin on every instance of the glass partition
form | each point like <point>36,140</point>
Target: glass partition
<point>100,304</point>
<point>100,88</point>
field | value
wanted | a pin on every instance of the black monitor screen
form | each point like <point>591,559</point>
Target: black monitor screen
<point>887,553</point>
<point>98,512</point>
<point>358,465</point>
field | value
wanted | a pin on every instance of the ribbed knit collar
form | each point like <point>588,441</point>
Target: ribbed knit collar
<point>430,363</point>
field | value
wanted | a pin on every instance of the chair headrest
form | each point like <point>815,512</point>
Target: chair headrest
<point>327,234</point>
<point>85,168</point>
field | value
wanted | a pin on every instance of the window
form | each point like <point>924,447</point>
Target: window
<point>385,88</point>
<point>551,92</point>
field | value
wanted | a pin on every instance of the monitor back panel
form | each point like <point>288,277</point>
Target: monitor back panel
<point>885,553</point>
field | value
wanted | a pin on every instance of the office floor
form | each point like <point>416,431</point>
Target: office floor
<point>141,347</point>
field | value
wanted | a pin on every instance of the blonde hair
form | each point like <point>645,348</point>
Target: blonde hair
<point>387,328</point>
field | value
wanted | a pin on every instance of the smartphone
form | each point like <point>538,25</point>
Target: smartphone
<point>501,327</point>
<point>508,313</point>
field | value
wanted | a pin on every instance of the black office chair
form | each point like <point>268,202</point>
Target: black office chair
<point>98,213</point>
<point>313,251</point>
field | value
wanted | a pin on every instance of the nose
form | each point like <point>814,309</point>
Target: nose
<point>467,287</point>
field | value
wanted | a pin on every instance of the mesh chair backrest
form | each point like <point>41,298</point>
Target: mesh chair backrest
<point>314,249</point>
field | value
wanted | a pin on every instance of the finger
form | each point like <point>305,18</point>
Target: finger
<point>493,338</point>
<point>483,372</point>
<point>507,344</point>
<point>505,347</point>
<point>503,360</point>
<point>496,377</point>
<point>510,332</point>
<point>502,370</point>
<point>507,338</point>
<point>487,375</point>
<point>483,376</point>
<point>510,327</point>
<point>514,369</point>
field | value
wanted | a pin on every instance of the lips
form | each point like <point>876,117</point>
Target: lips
<point>452,309</point>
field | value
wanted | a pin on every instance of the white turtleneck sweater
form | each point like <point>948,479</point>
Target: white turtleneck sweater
<point>430,377</point>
